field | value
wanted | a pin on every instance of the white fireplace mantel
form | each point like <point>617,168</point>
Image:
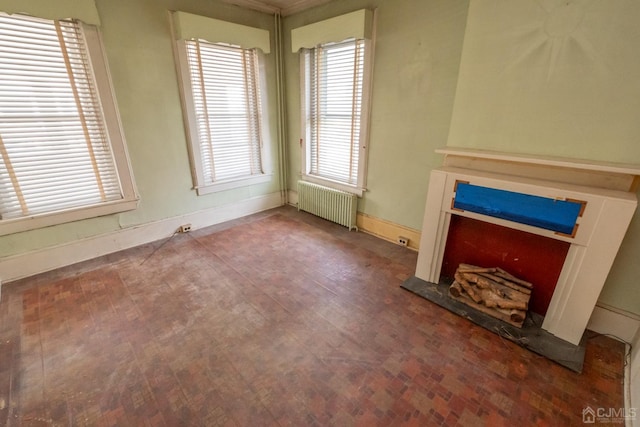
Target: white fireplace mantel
<point>607,188</point>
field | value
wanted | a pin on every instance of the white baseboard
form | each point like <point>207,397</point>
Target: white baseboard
<point>611,321</point>
<point>35,262</point>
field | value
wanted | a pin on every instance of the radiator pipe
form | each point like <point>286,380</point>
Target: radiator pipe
<point>281,109</point>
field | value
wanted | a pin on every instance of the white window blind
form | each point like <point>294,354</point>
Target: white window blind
<point>54,151</point>
<point>226,100</point>
<point>335,100</point>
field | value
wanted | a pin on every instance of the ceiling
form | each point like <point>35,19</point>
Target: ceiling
<point>285,7</point>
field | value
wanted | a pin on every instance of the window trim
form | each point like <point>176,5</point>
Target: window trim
<point>305,95</point>
<point>191,128</point>
<point>113,127</point>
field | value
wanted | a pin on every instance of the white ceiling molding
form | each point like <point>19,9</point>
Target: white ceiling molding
<point>285,7</point>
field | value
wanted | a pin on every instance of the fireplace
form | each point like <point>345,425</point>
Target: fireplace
<point>564,240</point>
<point>531,257</point>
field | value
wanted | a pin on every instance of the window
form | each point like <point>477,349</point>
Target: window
<point>335,92</point>
<point>224,114</point>
<point>62,153</point>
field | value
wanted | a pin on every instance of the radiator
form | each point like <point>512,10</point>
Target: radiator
<point>333,205</point>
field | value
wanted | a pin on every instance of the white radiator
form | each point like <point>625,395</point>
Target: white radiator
<point>334,205</point>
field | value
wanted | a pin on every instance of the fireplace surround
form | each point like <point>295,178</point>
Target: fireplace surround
<point>606,193</point>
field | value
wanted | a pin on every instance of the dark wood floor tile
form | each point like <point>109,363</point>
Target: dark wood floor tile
<point>276,319</point>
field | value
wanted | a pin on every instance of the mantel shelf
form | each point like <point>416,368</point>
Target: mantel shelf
<point>561,162</point>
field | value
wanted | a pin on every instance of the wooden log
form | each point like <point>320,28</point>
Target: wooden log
<point>473,278</point>
<point>500,289</point>
<point>468,268</point>
<point>518,315</point>
<point>513,305</point>
<point>502,273</point>
<point>455,289</point>
<point>492,291</point>
<point>490,299</point>
<point>507,283</point>
<point>504,315</point>
<point>504,291</point>
<point>467,288</point>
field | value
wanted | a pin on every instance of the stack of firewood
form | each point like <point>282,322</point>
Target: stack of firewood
<point>492,291</point>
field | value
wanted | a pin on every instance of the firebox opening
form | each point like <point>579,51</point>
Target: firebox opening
<point>536,259</point>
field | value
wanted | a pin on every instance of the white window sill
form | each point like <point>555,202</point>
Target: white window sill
<point>17,225</point>
<point>237,183</point>
<point>334,184</point>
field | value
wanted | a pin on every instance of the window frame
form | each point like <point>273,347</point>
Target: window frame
<point>305,91</point>
<point>113,127</point>
<point>191,125</point>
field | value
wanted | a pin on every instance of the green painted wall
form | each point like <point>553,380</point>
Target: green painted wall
<point>417,55</point>
<point>138,44</point>
<point>556,78</point>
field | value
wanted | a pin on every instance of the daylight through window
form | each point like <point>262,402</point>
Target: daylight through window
<point>55,151</point>
<point>226,105</point>
<point>335,76</point>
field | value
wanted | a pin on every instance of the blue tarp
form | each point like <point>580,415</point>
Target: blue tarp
<point>543,212</point>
